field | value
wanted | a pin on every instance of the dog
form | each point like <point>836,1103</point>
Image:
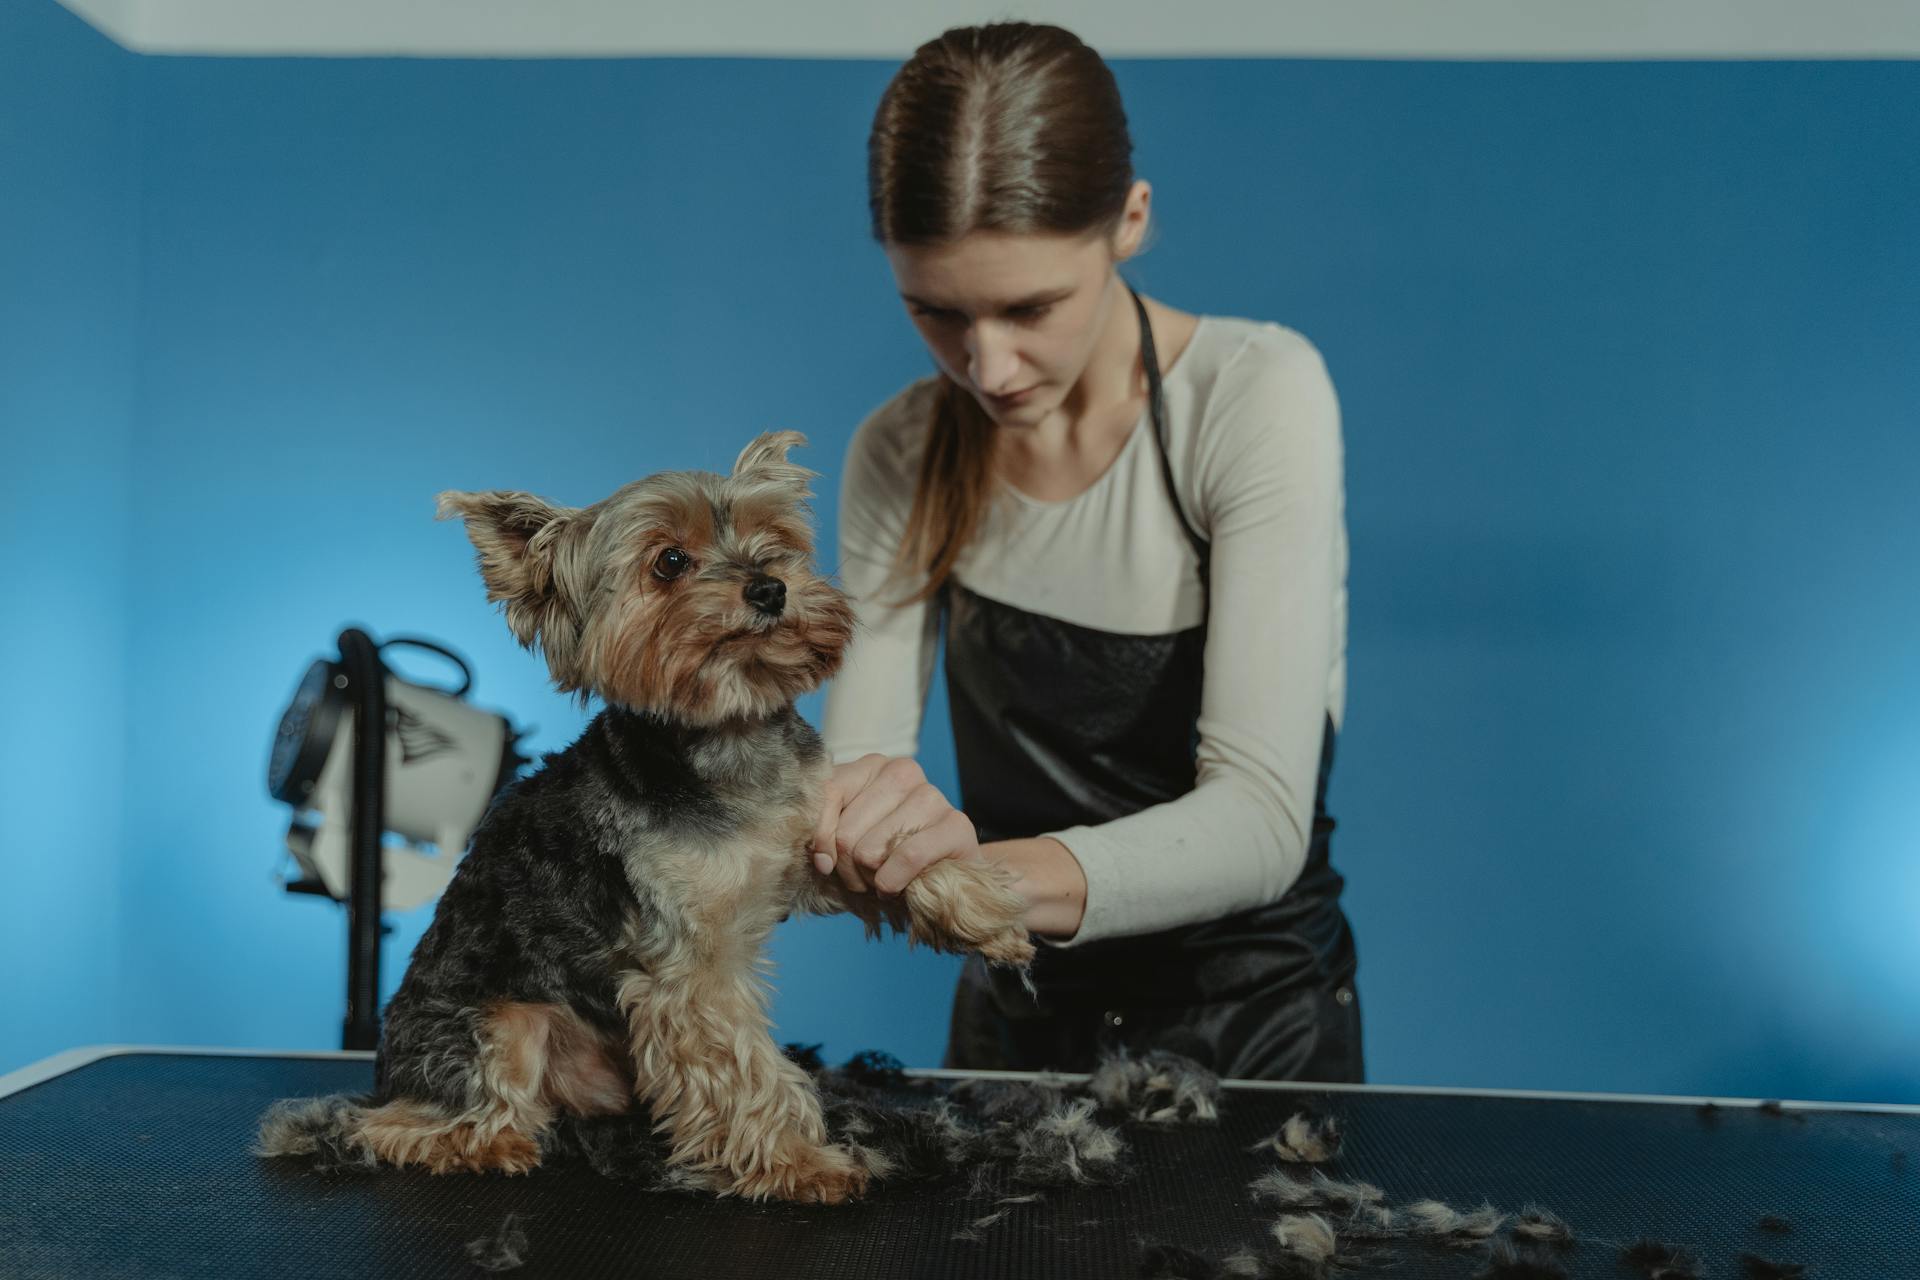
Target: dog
<point>600,947</point>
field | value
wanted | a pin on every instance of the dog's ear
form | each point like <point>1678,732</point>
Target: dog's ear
<point>533,559</point>
<point>764,463</point>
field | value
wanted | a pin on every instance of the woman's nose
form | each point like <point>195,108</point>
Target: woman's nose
<point>994,363</point>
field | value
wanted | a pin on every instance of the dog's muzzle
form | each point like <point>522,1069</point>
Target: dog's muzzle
<point>767,594</point>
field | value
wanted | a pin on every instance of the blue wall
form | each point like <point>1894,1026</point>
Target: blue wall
<point>68,240</point>
<point>1627,360</point>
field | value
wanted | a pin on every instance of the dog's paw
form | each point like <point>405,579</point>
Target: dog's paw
<point>971,906</point>
<point>1010,946</point>
<point>817,1175</point>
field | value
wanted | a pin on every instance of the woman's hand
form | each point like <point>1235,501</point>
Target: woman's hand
<point>866,804</point>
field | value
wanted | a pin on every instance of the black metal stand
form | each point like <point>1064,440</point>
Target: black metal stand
<point>367,685</point>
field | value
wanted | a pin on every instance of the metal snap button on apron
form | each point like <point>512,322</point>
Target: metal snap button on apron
<point>1111,1018</point>
<point>1344,995</point>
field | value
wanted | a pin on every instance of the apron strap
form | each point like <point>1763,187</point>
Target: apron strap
<point>1157,403</point>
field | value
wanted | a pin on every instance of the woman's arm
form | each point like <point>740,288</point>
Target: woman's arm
<point>1269,473</point>
<point>1050,879</point>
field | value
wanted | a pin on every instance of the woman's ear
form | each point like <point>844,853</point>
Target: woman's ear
<point>1130,233</point>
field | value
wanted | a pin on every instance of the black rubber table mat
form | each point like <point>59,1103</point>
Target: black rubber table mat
<point>138,1165</point>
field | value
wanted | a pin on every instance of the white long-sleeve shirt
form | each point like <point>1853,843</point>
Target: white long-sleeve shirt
<point>1254,428</point>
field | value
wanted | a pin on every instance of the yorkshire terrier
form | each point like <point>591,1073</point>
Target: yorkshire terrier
<point>600,945</point>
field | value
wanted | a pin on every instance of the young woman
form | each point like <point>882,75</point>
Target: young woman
<point>1126,523</point>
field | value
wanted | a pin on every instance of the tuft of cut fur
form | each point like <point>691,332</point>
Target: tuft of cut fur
<point>1760,1268</point>
<point>1067,1145</point>
<point>505,1249</point>
<point>1020,1101</point>
<point>1304,1139</point>
<point>1242,1264</point>
<point>326,1129</point>
<point>1535,1223</point>
<point>1657,1260</point>
<point>1318,1192</point>
<point>1157,1087</point>
<point>1447,1225</point>
<point>1307,1236</point>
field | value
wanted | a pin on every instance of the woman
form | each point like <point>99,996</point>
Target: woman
<point>1126,523</point>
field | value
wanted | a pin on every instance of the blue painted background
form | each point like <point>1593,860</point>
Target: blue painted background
<point>69,236</point>
<point>1629,355</point>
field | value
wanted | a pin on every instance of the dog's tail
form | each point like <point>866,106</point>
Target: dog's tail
<point>327,1129</point>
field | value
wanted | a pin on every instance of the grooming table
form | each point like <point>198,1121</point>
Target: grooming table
<point>134,1162</point>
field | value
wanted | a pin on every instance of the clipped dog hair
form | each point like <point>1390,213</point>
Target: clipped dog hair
<point>1012,1100</point>
<point>319,1128</point>
<point>1447,1225</point>
<point>973,1230</point>
<point>1242,1263</point>
<point>505,1249</point>
<point>1158,1088</point>
<point>1304,1139</point>
<point>1307,1236</point>
<point>1318,1192</point>
<point>1657,1260</point>
<point>1064,1146</point>
<point>1284,1189</point>
<point>1544,1226</point>
<point>1760,1268</point>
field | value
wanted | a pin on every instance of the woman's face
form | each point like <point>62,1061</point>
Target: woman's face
<point>1012,318</point>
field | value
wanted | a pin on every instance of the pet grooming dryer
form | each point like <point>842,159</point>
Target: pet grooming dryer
<point>428,778</point>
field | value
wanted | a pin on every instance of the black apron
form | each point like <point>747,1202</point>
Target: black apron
<point>1057,725</point>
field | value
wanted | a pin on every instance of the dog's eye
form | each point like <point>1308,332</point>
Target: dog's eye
<point>672,563</point>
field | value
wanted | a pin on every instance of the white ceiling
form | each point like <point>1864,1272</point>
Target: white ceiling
<point>890,29</point>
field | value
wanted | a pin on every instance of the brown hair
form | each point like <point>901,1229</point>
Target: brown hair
<point>1013,127</point>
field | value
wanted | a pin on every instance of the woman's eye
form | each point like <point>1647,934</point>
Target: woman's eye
<point>1031,314</point>
<point>672,563</point>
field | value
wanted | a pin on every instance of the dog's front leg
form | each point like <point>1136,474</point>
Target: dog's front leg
<point>735,1109</point>
<point>952,905</point>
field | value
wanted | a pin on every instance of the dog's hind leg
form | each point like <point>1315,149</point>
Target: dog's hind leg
<point>487,1108</point>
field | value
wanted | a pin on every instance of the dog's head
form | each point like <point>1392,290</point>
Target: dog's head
<point>688,594</point>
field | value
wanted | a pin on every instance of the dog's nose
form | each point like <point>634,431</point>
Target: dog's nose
<point>767,594</point>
